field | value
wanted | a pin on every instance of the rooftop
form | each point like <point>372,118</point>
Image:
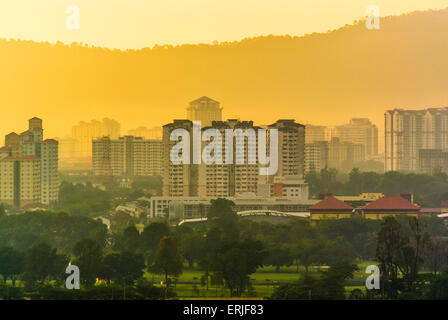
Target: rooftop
<point>331,203</point>
<point>392,203</point>
<point>203,99</point>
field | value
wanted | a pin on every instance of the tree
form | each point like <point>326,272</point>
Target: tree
<point>167,260</point>
<point>41,262</point>
<point>11,263</point>
<point>152,235</point>
<point>88,258</point>
<point>389,249</point>
<point>331,285</point>
<point>306,252</point>
<point>222,217</point>
<point>129,240</point>
<point>278,256</point>
<point>298,290</point>
<point>235,261</point>
<point>122,267</point>
<point>192,247</point>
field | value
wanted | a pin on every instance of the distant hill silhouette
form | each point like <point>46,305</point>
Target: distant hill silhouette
<point>319,78</point>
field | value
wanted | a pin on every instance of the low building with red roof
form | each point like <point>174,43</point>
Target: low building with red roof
<point>387,206</point>
<point>330,208</point>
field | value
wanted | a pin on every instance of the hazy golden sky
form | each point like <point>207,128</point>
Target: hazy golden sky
<point>143,23</point>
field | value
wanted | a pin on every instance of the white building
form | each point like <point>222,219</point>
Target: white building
<point>29,171</point>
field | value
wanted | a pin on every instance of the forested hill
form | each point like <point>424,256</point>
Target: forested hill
<point>318,78</point>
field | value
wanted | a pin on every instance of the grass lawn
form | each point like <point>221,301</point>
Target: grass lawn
<point>263,281</point>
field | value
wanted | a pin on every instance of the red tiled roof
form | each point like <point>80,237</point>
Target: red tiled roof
<point>331,203</point>
<point>391,203</point>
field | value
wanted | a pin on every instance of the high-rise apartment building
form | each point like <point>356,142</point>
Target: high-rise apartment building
<point>343,155</point>
<point>154,133</point>
<point>205,110</point>
<point>291,144</point>
<point>49,172</point>
<point>409,131</point>
<point>224,180</point>
<point>359,131</point>
<point>316,156</point>
<point>315,133</point>
<point>29,168</point>
<point>127,156</point>
<point>179,180</point>
<point>85,132</point>
<point>242,175</point>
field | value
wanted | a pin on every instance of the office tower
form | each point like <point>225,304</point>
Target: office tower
<point>154,133</point>
<point>343,155</point>
<point>49,172</point>
<point>291,144</point>
<point>315,133</point>
<point>205,110</point>
<point>29,168</point>
<point>127,156</point>
<point>178,179</point>
<point>316,156</point>
<point>359,131</point>
<point>85,132</point>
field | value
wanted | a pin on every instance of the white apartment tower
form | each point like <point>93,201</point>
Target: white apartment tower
<point>407,132</point>
<point>29,168</point>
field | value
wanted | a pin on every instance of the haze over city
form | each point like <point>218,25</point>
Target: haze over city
<point>243,150</point>
<point>137,90</point>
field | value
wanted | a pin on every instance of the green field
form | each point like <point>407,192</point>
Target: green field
<point>263,281</point>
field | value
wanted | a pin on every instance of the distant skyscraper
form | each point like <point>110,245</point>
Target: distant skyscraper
<point>359,131</point>
<point>85,132</point>
<point>49,172</point>
<point>409,131</point>
<point>343,155</point>
<point>291,144</point>
<point>205,110</point>
<point>127,156</point>
<point>316,156</point>
<point>315,133</point>
<point>147,133</point>
<point>179,180</point>
<point>29,168</point>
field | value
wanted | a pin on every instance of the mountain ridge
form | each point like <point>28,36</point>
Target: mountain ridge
<point>320,78</point>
